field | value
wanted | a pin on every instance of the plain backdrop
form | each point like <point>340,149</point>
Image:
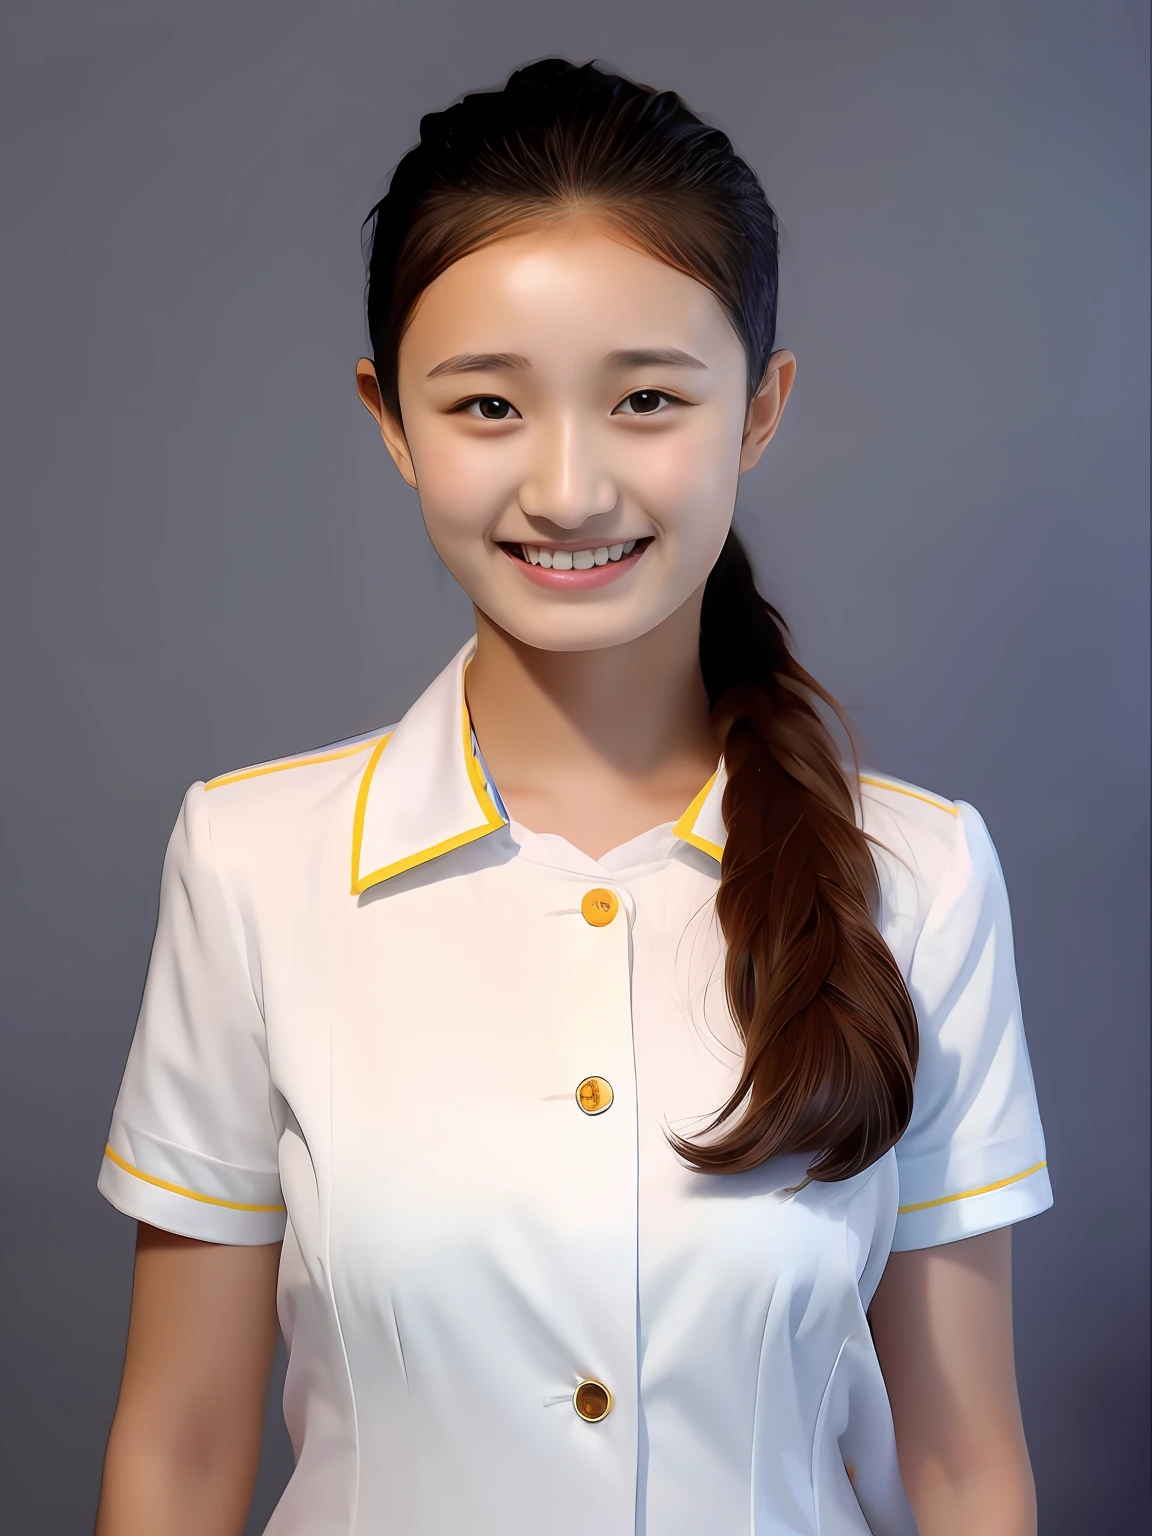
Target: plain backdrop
<point>207,559</point>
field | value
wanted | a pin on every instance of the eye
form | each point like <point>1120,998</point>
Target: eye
<point>644,402</point>
<point>490,407</point>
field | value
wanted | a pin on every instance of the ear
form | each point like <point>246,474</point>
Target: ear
<point>766,408</point>
<point>368,388</point>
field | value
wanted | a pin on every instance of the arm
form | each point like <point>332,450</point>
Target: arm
<point>185,1438</point>
<point>942,1325</point>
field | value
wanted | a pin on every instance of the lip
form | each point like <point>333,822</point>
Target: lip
<point>577,581</point>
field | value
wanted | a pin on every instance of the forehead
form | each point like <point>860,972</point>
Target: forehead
<point>575,286</point>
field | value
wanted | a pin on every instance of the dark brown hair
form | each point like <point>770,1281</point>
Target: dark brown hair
<point>829,1029</point>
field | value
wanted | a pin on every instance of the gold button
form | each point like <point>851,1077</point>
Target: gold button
<point>599,907</point>
<point>594,1095</point>
<point>592,1400</point>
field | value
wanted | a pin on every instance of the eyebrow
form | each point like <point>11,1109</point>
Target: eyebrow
<point>478,362</point>
<point>629,357</point>
<point>661,357</point>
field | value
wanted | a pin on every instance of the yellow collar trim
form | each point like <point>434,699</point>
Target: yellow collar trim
<point>492,817</point>
<point>383,828</point>
<point>685,827</point>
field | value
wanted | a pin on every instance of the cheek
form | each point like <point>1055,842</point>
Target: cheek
<point>458,496</point>
<point>687,480</point>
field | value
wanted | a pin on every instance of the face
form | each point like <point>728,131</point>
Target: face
<point>575,418</point>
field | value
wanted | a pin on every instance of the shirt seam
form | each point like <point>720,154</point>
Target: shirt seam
<point>184,1150</point>
<point>816,1425</point>
<point>328,1275</point>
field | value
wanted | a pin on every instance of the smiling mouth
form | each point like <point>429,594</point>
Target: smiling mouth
<point>550,558</point>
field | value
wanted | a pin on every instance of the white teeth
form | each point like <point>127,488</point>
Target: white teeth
<point>576,559</point>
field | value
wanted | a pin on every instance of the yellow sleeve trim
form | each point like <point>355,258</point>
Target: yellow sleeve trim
<point>913,794</point>
<point>189,1194</point>
<point>926,1205</point>
<point>292,762</point>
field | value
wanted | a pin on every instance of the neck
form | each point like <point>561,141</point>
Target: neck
<point>564,731</point>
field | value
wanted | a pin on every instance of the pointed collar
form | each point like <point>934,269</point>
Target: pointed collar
<point>702,824</point>
<point>423,792</point>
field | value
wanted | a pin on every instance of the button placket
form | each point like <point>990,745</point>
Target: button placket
<point>598,907</point>
<point>603,1157</point>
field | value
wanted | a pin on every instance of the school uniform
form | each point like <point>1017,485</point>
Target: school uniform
<point>438,1054</point>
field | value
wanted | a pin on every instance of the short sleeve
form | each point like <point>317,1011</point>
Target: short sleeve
<point>973,1156</point>
<point>193,1143</point>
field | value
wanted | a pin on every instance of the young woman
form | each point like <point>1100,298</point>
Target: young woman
<point>626,1101</point>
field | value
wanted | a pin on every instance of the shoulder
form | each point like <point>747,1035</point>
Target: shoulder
<point>317,771</point>
<point>929,851</point>
<point>284,802</point>
<point>914,825</point>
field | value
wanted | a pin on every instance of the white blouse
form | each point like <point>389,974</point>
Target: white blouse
<point>446,1082</point>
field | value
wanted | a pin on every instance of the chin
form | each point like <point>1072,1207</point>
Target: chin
<point>593,632</point>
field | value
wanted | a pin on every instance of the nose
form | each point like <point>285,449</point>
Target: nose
<point>566,483</point>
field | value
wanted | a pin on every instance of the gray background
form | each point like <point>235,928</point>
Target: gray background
<point>207,559</point>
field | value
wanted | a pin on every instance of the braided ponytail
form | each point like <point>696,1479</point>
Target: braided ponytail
<point>829,1030</point>
<point>828,1026</point>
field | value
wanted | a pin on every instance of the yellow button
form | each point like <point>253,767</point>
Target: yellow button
<point>592,1401</point>
<point>594,1095</point>
<point>599,907</point>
